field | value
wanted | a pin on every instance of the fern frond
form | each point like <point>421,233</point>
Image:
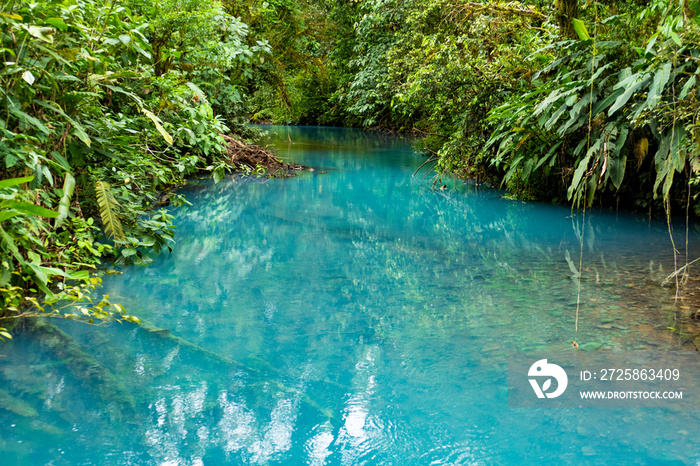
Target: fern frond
<point>108,212</point>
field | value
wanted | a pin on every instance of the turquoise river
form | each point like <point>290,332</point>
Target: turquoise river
<point>352,315</point>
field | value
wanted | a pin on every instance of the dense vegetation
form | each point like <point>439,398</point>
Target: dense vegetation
<point>557,100</point>
<point>106,104</point>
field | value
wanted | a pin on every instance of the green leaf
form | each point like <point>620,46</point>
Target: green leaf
<point>687,87</point>
<point>669,159</point>
<point>657,87</point>
<point>131,95</point>
<point>197,91</point>
<point>52,271</point>
<point>58,23</point>
<point>555,117</point>
<point>575,118</point>
<point>549,156</point>
<point>40,278</point>
<point>14,109</point>
<point>168,138</point>
<point>61,160</point>
<point>64,204</point>
<point>126,252</point>
<point>551,98</point>
<point>578,175</point>
<point>580,29</point>
<point>108,213</point>
<point>618,164</point>
<point>601,105</point>
<point>675,38</point>
<point>8,214</point>
<point>622,100</point>
<point>43,33</point>
<point>652,41</point>
<point>10,244</point>
<point>616,169</point>
<point>28,208</point>
<point>15,181</point>
<point>79,275</point>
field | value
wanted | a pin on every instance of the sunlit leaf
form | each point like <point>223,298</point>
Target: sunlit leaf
<point>58,23</point>
<point>27,208</point>
<point>580,29</point>
<point>15,181</point>
<point>11,16</point>
<point>108,204</point>
<point>43,33</point>
<point>64,204</point>
<point>159,126</point>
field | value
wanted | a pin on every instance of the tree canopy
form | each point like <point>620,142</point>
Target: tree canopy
<point>572,101</point>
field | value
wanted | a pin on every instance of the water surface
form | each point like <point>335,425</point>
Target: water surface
<point>351,315</point>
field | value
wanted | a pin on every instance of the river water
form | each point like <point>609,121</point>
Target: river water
<point>352,315</point>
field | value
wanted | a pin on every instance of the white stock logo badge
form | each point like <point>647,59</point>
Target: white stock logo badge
<point>542,369</point>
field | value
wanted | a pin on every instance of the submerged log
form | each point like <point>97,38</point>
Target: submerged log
<point>82,366</point>
<point>268,369</point>
<point>15,405</point>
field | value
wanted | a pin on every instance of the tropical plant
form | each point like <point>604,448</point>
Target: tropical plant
<point>597,103</point>
<point>105,106</point>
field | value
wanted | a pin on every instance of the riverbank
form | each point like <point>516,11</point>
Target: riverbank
<point>74,294</point>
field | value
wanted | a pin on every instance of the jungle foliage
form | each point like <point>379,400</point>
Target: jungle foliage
<point>103,106</point>
<point>563,100</point>
<point>106,104</point>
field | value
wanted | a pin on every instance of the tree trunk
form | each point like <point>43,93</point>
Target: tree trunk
<point>567,10</point>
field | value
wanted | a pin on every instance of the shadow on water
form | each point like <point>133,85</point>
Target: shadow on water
<point>352,317</point>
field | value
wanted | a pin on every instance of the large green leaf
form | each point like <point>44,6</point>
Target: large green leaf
<point>687,87</point>
<point>617,173</point>
<point>15,181</point>
<point>575,120</point>
<point>8,214</point>
<point>64,204</point>
<point>636,85</point>
<point>601,105</point>
<point>57,23</point>
<point>27,208</point>
<point>108,205</point>
<point>159,126</point>
<point>580,29</point>
<point>578,175</point>
<point>656,89</point>
<point>40,278</point>
<point>7,241</point>
<point>669,159</point>
<point>43,33</point>
<point>61,160</point>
